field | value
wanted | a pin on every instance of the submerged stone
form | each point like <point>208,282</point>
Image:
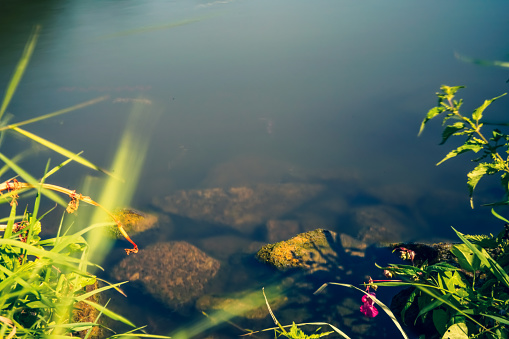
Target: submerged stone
<point>305,250</point>
<point>133,221</point>
<point>253,307</point>
<point>243,207</point>
<point>175,273</point>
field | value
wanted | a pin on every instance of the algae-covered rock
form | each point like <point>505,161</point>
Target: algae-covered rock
<point>133,221</point>
<point>175,273</point>
<point>251,306</point>
<point>305,250</point>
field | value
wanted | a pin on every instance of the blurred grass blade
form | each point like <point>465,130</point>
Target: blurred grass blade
<point>56,168</point>
<point>61,150</point>
<point>482,62</point>
<point>20,69</point>
<point>31,180</point>
<point>59,258</point>
<point>17,158</point>
<point>109,313</point>
<point>53,114</point>
<point>98,290</point>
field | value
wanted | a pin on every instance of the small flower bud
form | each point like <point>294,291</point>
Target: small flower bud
<point>388,274</point>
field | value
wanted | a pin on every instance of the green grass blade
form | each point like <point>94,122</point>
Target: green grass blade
<point>41,253</point>
<point>56,168</point>
<point>378,302</point>
<point>17,158</point>
<point>488,261</point>
<point>337,330</point>
<point>109,313</point>
<point>62,111</point>
<point>98,290</point>
<point>61,150</point>
<point>31,180</point>
<point>64,241</point>
<point>504,321</point>
<point>20,69</point>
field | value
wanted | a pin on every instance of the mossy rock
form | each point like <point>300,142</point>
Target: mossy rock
<point>249,308</point>
<point>133,221</point>
<point>305,250</point>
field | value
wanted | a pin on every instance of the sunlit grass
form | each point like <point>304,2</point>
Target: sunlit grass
<point>42,280</point>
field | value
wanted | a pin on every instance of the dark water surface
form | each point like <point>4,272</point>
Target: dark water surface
<point>243,92</point>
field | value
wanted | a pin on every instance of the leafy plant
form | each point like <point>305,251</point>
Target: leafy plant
<point>491,161</point>
<point>468,296</point>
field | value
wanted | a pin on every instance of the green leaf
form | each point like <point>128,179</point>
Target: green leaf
<point>408,304</point>
<point>449,91</point>
<point>428,307</point>
<point>466,258</point>
<point>440,320</point>
<point>477,114</point>
<point>468,146</point>
<point>476,174</point>
<point>456,331</point>
<point>431,114</point>
<point>491,264</point>
<point>450,130</point>
<point>504,180</point>
<point>446,301</point>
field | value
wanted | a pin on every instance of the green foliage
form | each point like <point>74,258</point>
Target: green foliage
<point>468,301</point>
<point>491,161</point>
<point>296,333</point>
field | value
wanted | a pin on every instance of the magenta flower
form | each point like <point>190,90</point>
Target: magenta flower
<point>368,308</point>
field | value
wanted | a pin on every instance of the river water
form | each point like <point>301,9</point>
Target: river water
<point>244,92</point>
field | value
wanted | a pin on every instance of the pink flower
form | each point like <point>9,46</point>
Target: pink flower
<point>368,308</point>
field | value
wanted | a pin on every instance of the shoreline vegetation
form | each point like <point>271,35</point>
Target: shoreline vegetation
<point>46,289</point>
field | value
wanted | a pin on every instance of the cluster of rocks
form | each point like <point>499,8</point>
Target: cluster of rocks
<point>288,220</point>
